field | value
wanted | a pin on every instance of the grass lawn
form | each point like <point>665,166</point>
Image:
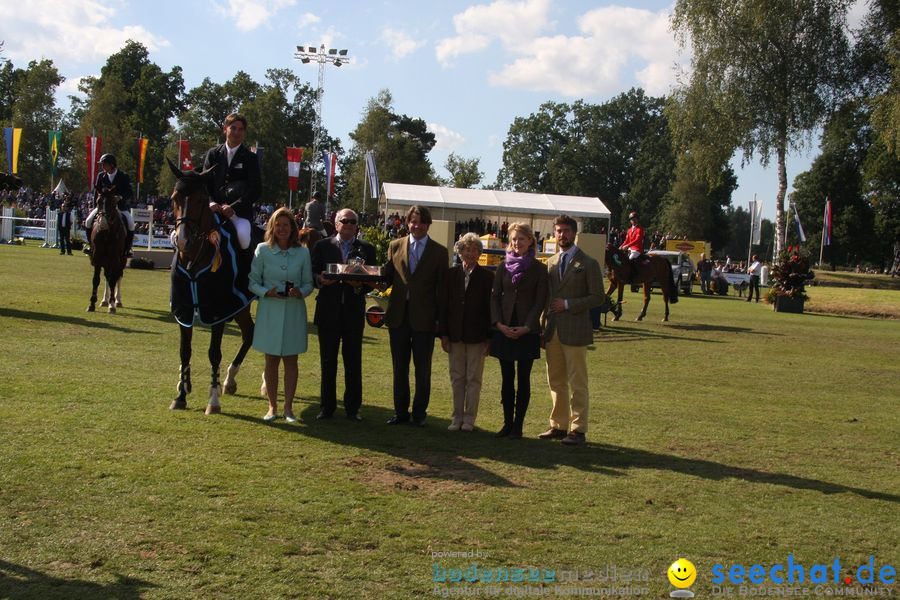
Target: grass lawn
<point>730,435</point>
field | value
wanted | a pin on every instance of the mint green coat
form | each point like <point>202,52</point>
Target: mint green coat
<point>280,322</point>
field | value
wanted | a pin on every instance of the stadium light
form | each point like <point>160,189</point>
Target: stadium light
<point>337,58</point>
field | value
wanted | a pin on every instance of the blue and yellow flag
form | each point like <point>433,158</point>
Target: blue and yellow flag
<point>55,139</point>
<point>13,137</point>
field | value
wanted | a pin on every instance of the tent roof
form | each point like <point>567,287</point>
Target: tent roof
<point>493,201</point>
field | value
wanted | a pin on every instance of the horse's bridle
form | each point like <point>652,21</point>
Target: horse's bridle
<point>193,234</point>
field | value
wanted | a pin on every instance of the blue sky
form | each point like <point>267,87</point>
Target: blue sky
<point>467,68</point>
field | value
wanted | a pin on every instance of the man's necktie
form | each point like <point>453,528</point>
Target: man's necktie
<point>562,265</point>
<point>413,256</point>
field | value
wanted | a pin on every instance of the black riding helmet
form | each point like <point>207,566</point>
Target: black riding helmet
<point>108,159</point>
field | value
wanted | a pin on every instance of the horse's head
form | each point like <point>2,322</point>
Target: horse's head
<point>190,204</point>
<point>308,237</point>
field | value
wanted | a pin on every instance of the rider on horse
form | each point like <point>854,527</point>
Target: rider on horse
<point>634,241</point>
<point>112,178</point>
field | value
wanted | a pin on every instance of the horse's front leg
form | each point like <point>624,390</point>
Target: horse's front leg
<point>106,294</point>
<point>117,293</point>
<point>215,359</point>
<point>245,322</point>
<point>184,380</point>
<point>646,302</point>
<point>96,283</point>
<point>617,308</point>
<point>109,293</point>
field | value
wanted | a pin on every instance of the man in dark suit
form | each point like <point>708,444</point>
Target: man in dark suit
<point>64,227</point>
<point>235,185</point>
<point>415,271</point>
<point>112,178</point>
<point>340,315</point>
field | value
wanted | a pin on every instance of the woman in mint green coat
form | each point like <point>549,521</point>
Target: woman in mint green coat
<point>281,275</point>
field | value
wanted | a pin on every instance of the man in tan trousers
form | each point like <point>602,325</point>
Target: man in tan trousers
<point>576,286</point>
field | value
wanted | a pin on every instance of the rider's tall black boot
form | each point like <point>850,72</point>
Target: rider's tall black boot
<point>129,240</point>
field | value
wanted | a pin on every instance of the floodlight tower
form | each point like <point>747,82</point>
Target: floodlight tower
<point>333,56</point>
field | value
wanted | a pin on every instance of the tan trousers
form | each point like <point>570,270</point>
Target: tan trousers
<point>466,371</point>
<point>567,368</point>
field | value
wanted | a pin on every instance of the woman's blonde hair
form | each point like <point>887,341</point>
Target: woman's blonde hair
<point>270,227</point>
<point>525,228</point>
<point>466,240</point>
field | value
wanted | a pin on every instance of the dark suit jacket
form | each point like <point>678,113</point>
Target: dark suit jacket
<point>339,302</point>
<point>528,298</point>
<point>121,183</point>
<point>64,215</point>
<point>466,311</point>
<point>422,287</point>
<point>244,168</point>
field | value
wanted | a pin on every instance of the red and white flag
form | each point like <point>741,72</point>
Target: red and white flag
<point>93,144</point>
<point>294,156</point>
<point>330,160</point>
<point>185,162</point>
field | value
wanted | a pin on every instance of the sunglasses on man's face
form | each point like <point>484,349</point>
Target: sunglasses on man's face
<point>348,221</point>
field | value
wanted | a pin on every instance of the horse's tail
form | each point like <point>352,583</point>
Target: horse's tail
<point>673,286</point>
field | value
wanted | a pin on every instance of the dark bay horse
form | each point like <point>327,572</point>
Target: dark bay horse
<point>107,239</point>
<point>206,283</point>
<point>650,269</point>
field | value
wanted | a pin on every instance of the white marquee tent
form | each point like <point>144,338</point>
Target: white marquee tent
<point>458,204</point>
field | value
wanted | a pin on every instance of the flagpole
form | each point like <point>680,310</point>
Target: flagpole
<point>824,225</point>
<point>365,181</point>
<point>137,174</point>
<point>752,219</point>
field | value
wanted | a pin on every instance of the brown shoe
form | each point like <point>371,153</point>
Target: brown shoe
<point>552,434</point>
<point>574,439</point>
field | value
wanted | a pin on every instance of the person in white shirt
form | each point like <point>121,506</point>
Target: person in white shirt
<point>755,267</point>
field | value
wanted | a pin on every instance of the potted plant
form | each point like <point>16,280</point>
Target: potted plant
<point>790,273</point>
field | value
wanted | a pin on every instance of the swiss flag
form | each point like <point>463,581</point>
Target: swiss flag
<point>294,156</point>
<point>185,162</point>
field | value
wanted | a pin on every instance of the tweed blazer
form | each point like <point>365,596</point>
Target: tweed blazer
<point>244,167</point>
<point>528,298</point>
<point>466,312</point>
<point>582,288</point>
<point>416,294</point>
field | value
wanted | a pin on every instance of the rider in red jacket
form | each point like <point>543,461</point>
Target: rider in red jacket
<point>634,239</point>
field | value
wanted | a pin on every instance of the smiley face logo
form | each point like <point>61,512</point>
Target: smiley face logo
<point>682,573</point>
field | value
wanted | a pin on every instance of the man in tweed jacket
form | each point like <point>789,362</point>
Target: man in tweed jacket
<point>576,286</point>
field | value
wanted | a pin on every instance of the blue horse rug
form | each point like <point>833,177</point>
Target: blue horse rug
<point>216,292</point>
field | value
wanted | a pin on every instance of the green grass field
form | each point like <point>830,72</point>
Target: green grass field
<point>730,435</point>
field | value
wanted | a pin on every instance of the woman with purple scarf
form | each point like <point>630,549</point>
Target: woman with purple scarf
<point>518,298</point>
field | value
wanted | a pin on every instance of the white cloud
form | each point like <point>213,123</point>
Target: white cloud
<point>251,14</point>
<point>515,24</point>
<point>446,138</point>
<point>75,30</point>
<point>307,19</point>
<point>614,45</point>
<point>400,42</point>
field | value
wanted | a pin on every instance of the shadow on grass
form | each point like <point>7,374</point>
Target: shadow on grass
<point>452,456</point>
<point>18,582</point>
<point>612,333</point>
<point>722,328</point>
<point>67,320</point>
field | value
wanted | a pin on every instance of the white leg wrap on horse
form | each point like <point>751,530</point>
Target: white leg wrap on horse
<point>89,222</point>
<point>214,395</point>
<point>243,231</point>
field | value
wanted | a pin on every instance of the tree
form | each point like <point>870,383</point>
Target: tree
<point>401,145</point>
<point>280,113</point>
<point>836,174</point>
<point>464,172</point>
<point>877,69</point>
<point>764,74</point>
<point>27,100</point>
<point>618,151</point>
<point>131,97</point>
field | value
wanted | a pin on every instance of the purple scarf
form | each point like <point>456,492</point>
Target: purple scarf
<point>517,265</point>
